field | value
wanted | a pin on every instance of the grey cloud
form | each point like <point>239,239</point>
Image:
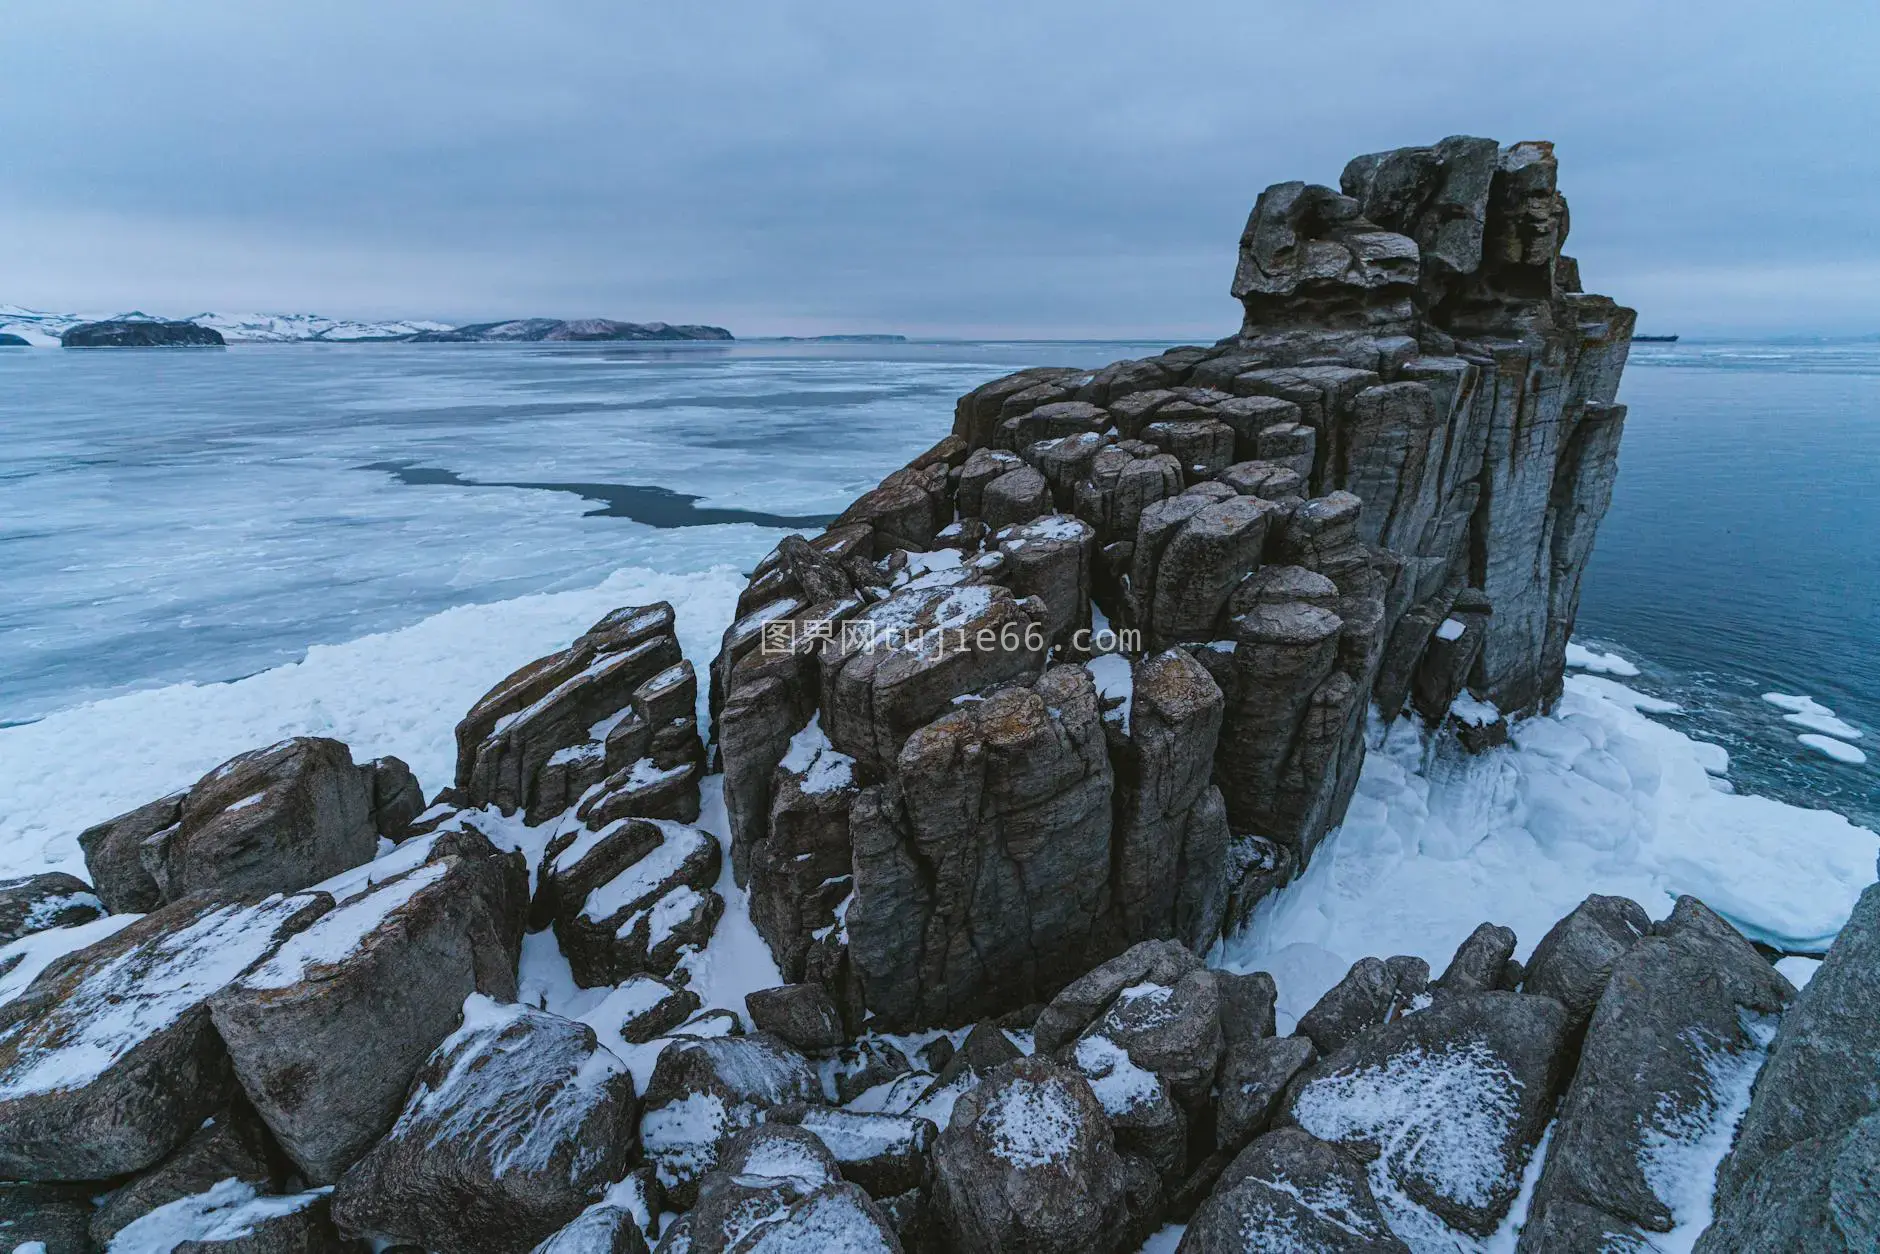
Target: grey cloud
<point>1039,168</point>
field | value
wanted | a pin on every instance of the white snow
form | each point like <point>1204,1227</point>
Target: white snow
<point>1798,970</point>
<point>22,960</point>
<point>785,1159</point>
<point>1473,710</point>
<point>42,912</point>
<point>681,1137</point>
<point>517,1097</point>
<point>1030,1123</point>
<point>1829,747</point>
<point>399,692</point>
<point>855,1136</point>
<point>227,1211</point>
<point>586,842</point>
<point>129,998</point>
<point>665,915</point>
<point>337,933</point>
<point>1115,680</point>
<point>829,1221</point>
<point>1450,629</point>
<point>1579,657</point>
<point>1682,1149</point>
<point>1119,1084</point>
<point>644,877</point>
<point>1440,1115</point>
<point>394,861</point>
<point>1595,797</point>
<point>811,755</point>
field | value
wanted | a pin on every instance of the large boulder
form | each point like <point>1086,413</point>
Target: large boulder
<point>1374,991</point>
<point>614,708</point>
<point>887,1154</point>
<point>517,1123</point>
<point>622,1222</point>
<point>1670,1052</point>
<point>327,1034</point>
<point>1445,1104</point>
<point>37,902</point>
<point>108,1061</point>
<point>1290,1191</point>
<point>642,917</point>
<point>45,1218</point>
<point>982,881</point>
<point>112,854</point>
<point>703,1091</point>
<point>1807,1151</point>
<point>1028,1162</point>
<point>1575,959</point>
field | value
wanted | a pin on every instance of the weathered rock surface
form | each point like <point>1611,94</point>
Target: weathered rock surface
<point>37,902</point>
<point>1373,992</point>
<point>1291,1191</point>
<point>1574,960</point>
<point>1445,1104</point>
<point>887,1154</point>
<point>108,1061</point>
<point>326,1035</point>
<point>514,1126</point>
<point>232,1145</point>
<point>642,916</point>
<point>1803,1171</point>
<point>615,709</point>
<point>1677,1036</point>
<point>112,854</point>
<point>53,1215</point>
<point>703,1091</point>
<point>799,1015</point>
<point>1028,1162</point>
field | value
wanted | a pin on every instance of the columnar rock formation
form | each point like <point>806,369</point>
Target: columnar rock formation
<point>946,791</point>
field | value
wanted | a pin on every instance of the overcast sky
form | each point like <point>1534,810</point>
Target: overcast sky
<point>1013,168</point>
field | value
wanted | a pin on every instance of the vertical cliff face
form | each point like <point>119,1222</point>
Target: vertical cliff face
<point>1380,493</point>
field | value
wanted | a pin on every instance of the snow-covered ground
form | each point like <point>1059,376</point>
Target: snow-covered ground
<point>1595,798</point>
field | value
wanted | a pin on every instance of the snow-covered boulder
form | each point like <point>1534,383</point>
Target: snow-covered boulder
<point>38,902</point>
<point>1172,1030</point>
<point>232,1145</point>
<point>884,1153</point>
<point>271,820</point>
<point>326,1034</point>
<point>1028,1162</point>
<point>1290,1191</point>
<point>1079,1003</point>
<point>614,708</point>
<point>835,1217</point>
<point>703,1090</point>
<point>643,918</point>
<point>1445,1104</point>
<point>1669,1057</point>
<point>234,1217</point>
<point>643,1008</point>
<point>513,1127</point>
<point>624,1221</point>
<point>761,1171</point>
<point>1145,1116</point>
<point>108,1061</point>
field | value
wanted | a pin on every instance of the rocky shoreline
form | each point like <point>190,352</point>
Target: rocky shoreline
<point>1002,753</point>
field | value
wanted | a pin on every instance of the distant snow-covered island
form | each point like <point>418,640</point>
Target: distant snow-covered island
<point>38,328</point>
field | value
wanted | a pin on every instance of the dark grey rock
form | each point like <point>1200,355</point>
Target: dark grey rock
<point>1452,1100</point>
<point>326,1035</point>
<point>649,1007</point>
<point>884,1153</point>
<point>1254,1075</point>
<point>112,854</point>
<point>1672,1046</point>
<point>1290,1191</point>
<point>1479,962</point>
<point>108,1061</point>
<point>514,1126</point>
<point>1572,962</point>
<point>799,1015</point>
<point>643,918</point>
<point>1373,992</point>
<point>1028,1162</point>
<point>52,1214</point>
<point>232,1145</point>
<point>703,1091</point>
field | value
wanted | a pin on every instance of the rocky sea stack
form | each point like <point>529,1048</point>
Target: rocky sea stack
<point>1002,753</point>
<point>134,332</point>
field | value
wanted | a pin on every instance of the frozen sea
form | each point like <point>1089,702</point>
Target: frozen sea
<point>368,536</point>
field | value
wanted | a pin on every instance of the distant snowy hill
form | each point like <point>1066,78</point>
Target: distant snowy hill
<point>41,328</point>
